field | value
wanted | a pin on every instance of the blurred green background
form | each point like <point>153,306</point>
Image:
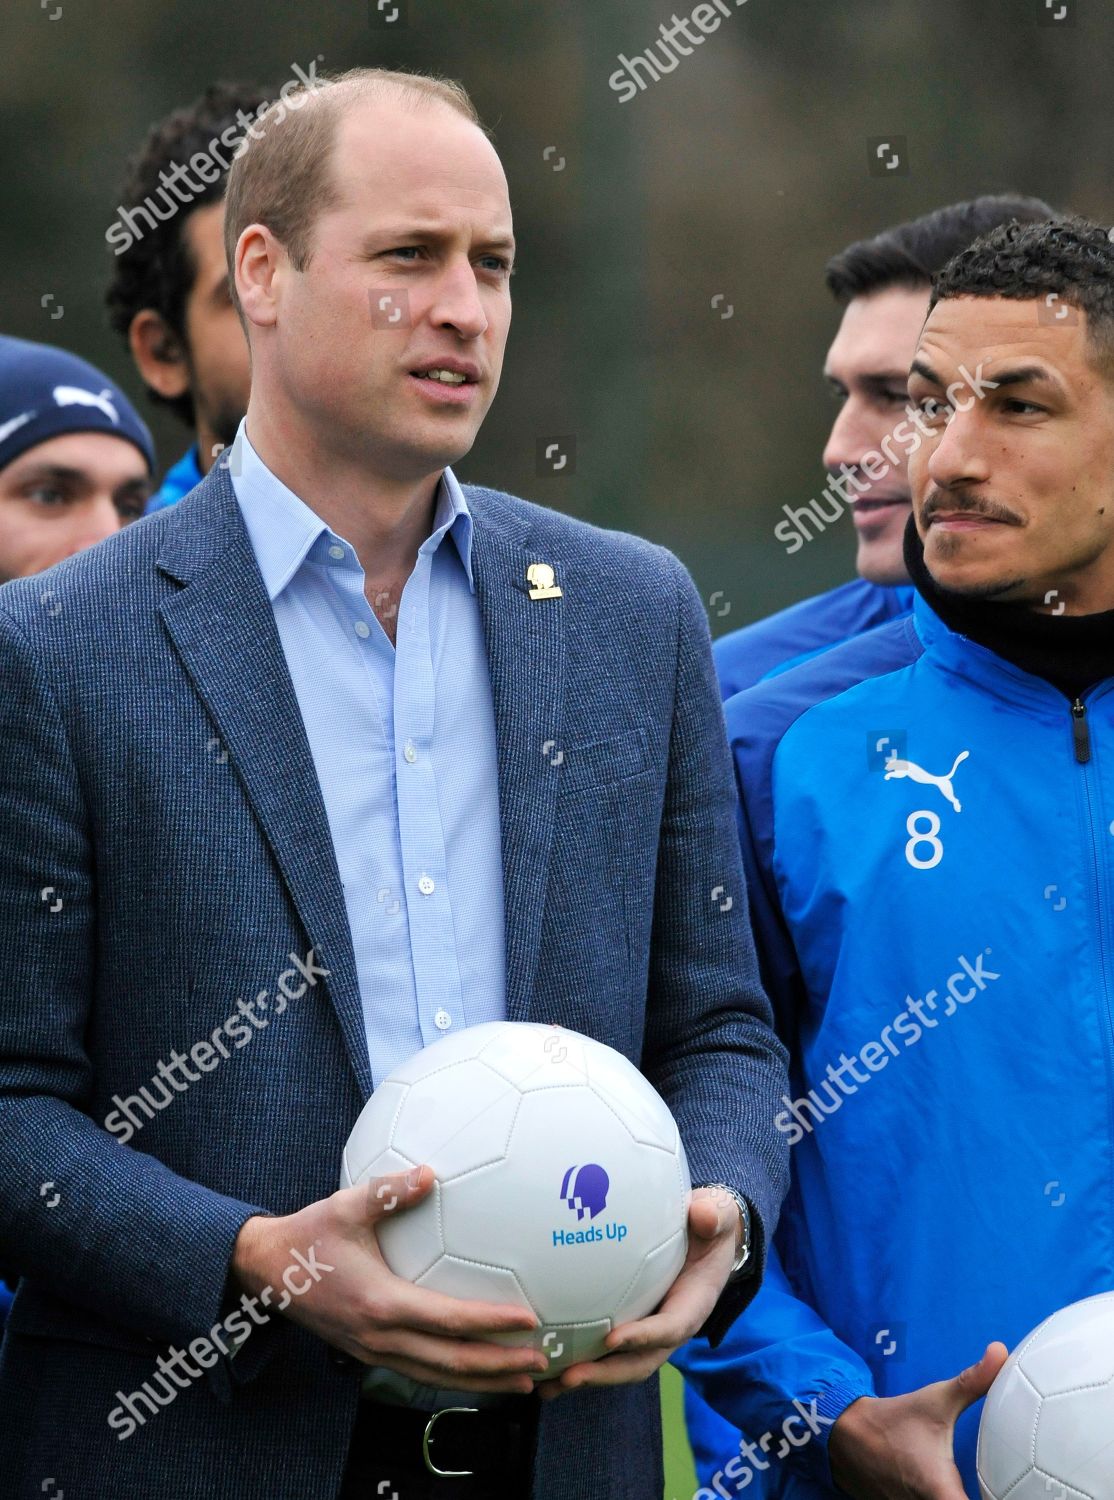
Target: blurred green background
<point>680,1477</point>
<point>733,178</point>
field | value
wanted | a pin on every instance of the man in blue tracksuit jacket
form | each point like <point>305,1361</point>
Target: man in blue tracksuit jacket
<point>927,819</point>
<point>883,286</point>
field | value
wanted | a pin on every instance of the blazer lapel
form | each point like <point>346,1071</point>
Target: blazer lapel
<point>526,654</point>
<point>223,628</point>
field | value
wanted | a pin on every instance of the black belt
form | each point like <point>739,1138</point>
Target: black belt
<point>457,1443</point>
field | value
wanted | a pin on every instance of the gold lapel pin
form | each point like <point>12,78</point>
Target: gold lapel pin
<point>540,578</point>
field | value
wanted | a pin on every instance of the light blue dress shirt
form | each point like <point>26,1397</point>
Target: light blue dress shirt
<point>403,739</point>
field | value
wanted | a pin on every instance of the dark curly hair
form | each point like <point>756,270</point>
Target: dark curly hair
<point>911,254</point>
<point>157,270</point>
<point>1068,259</point>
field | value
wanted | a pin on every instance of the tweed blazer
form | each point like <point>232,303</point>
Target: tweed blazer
<point>164,850</point>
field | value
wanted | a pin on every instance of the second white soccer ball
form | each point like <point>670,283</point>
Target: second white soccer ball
<point>1047,1429</point>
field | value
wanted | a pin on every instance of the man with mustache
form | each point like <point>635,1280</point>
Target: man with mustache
<point>926,823</point>
<point>883,285</point>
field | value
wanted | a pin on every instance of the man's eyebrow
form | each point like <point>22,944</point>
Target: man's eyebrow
<point>66,474</point>
<point>61,473</point>
<point>1028,375</point>
<point>872,377</point>
<point>926,372</point>
<point>411,230</point>
<point>1022,375</point>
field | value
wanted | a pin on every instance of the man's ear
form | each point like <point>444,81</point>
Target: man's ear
<point>260,263</point>
<point>159,354</point>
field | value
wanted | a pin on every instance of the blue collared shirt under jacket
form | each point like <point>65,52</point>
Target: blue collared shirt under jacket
<point>403,740</point>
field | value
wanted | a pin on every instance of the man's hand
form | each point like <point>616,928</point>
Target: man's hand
<point>636,1350</point>
<point>901,1447</point>
<point>360,1306</point>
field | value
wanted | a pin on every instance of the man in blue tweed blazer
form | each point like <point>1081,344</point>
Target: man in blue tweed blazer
<point>391,756</point>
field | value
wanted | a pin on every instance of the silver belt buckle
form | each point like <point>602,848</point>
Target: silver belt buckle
<point>427,1439</point>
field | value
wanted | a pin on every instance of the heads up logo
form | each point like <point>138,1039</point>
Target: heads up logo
<point>584,1189</point>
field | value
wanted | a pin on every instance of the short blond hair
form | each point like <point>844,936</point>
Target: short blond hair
<point>282,177</point>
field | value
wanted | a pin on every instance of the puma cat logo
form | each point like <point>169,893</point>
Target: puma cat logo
<point>896,768</point>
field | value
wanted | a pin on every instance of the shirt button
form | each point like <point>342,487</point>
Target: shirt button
<point>409,752</point>
<point>335,551</point>
<point>426,885</point>
<point>442,1020</point>
<point>363,630</point>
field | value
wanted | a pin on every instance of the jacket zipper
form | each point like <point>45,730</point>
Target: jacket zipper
<point>1080,730</point>
<point>1081,735</point>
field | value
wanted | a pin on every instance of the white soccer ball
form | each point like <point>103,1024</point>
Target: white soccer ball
<point>1047,1429</point>
<point>562,1184</point>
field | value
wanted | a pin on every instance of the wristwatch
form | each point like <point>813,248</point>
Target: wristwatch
<point>743,1240</point>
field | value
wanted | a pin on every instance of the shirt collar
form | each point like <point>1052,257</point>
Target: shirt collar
<point>283,529</point>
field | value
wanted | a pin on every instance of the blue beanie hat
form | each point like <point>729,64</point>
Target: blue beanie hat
<point>46,391</point>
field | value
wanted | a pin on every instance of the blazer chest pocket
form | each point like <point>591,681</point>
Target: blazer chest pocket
<point>600,763</point>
